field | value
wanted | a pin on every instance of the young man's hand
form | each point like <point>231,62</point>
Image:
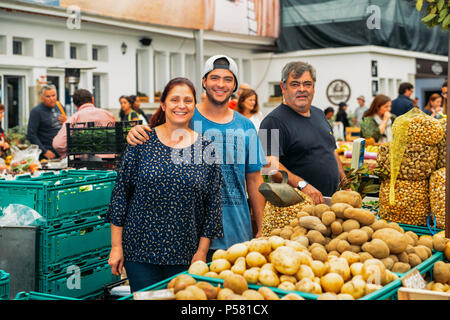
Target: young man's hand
<point>138,134</point>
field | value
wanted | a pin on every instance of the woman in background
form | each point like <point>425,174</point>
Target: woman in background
<point>433,107</point>
<point>377,121</point>
<point>247,105</point>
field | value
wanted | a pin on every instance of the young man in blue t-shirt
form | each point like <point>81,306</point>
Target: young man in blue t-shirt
<point>238,147</point>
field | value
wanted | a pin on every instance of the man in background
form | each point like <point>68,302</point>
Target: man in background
<point>403,103</point>
<point>360,110</point>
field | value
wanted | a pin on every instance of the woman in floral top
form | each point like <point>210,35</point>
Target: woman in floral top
<point>167,202</point>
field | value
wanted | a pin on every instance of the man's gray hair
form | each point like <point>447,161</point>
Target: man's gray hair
<point>299,68</point>
<point>47,87</point>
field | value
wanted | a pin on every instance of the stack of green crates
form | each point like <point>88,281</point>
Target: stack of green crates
<point>75,240</point>
<point>4,285</point>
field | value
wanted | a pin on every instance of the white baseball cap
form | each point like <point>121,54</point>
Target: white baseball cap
<point>210,65</point>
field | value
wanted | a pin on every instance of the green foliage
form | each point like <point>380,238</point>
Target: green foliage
<point>357,180</point>
<point>436,12</point>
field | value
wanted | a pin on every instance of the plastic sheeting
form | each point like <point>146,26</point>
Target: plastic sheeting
<point>317,24</point>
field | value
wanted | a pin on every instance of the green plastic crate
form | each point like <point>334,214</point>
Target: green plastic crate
<point>71,240</point>
<point>39,296</point>
<point>4,285</point>
<point>419,230</point>
<point>66,195</point>
<point>92,279</point>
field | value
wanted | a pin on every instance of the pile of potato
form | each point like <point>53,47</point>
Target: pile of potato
<point>342,250</point>
<point>235,287</point>
<point>419,161</point>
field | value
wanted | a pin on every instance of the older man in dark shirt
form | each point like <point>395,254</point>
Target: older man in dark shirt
<point>45,121</point>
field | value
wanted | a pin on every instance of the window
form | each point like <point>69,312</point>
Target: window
<point>49,50</point>
<point>73,52</point>
<point>95,54</point>
<point>17,47</point>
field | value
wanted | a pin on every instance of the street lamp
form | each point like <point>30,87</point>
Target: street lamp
<point>124,47</point>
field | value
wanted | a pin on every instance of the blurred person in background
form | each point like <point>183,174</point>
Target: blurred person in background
<point>444,97</point>
<point>403,103</point>
<point>378,120</point>
<point>137,108</point>
<point>341,116</point>
<point>434,106</point>
<point>234,100</point>
<point>360,110</point>
<point>4,145</point>
<point>329,113</point>
<point>248,106</point>
<point>127,112</point>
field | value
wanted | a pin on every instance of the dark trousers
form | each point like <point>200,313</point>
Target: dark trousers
<point>142,275</point>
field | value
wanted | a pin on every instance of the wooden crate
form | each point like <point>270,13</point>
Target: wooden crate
<point>419,294</point>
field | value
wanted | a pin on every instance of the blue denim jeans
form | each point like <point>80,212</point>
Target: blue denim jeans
<point>142,275</point>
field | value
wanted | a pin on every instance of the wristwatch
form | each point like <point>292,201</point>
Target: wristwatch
<point>302,184</point>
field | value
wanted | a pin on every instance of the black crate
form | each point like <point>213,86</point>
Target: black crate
<point>97,147</point>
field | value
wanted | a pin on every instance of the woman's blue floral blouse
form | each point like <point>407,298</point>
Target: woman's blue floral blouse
<point>166,199</point>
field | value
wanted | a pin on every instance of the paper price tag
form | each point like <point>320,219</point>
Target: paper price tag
<point>414,280</point>
<point>165,294</point>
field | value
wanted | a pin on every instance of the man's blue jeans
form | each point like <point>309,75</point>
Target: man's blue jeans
<point>142,275</point>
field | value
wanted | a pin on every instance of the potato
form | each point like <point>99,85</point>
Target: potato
<point>236,282</point>
<point>377,248</point>
<point>239,266</point>
<point>328,217</point>
<point>309,209</point>
<point>268,294</point>
<point>298,232</point>
<point>219,265</point>
<point>356,268</point>
<point>292,296</point>
<point>332,282</point>
<point>305,258</point>
<point>302,214</point>
<point>395,240</point>
<point>235,251</point>
<point>373,271</point>
<point>328,296</point>
<point>197,293</point>
<point>286,260</point>
<point>341,267</point>
<point>312,223</point>
<point>401,267</point>
<point>225,273</point>
<point>441,272</point>
<point>198,267</point>
<point>219,254</point>
<point>251,275</point>
<point>422,252</point>
<point>342,246</point>
<point>351,257</point>
<point>395,226</point>
<point>315,236</point>
<point>304,272</point>
<point>447,250</point>
<point>350,224</point>
<point>332,254</point>
<point>370,287</point>
<point>181,282</point>
<point>364,256</point>
<point>332,245</point>
<point>342,236</point>
<point>268,278</point>
<point>319,268</point>
<point>414,260</point>
<point>339,208</point>
<point>425,241</point>
<point>403,257</point>
<point>286,233</point>
<point>345,296</point>
<point>354,248</point>
<point>368,230</point>
<point>438,243</point>
<point>357,237</point>
<point>438,287</point>
<point>319,253</point>
<point>305,285</point>
<point>255,259</point>
<point>353,198</point>
<point>276,241</point>
<point>262,246</point>
<point>413,237</point>
<point>320,209</point>
<point>379,224</point>
<point>388,262</point>
<point>295,245</point>
<point>208,288</point>
<point>284,278</point>
<point>224,293</point>
<point>303,240</point>
<point>286,285</point>
<point>355,288</point>
<point>364,217</point>
<point>336,228</point>
<point>410,249</point>
<point>211,274</point>
<point>251,294</point>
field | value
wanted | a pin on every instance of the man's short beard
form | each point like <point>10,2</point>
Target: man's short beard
<point>216,102</point>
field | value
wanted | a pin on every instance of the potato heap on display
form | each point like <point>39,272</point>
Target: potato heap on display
<point>419,161</point>
<point>276,217</point>
<point>341,251</point>
<point>441,277</point>
<point>185,287</point>
<point>437,196</point>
